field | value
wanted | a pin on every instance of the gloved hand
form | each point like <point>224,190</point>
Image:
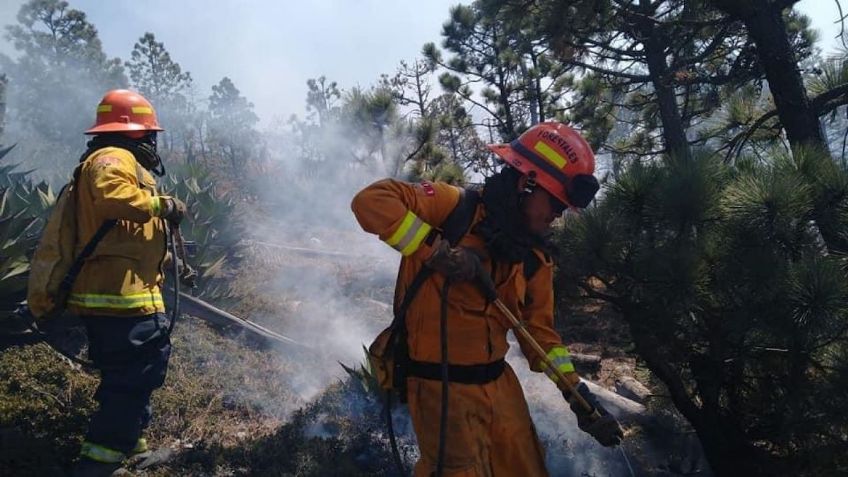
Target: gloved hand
<point>605,429</point>
<point>188,276</point>
<point>175,210</point>
<point>455,263</point>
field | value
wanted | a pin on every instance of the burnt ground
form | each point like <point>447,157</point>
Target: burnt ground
<point>233,405</point>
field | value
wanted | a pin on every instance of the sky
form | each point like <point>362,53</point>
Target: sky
<point>269,48</point>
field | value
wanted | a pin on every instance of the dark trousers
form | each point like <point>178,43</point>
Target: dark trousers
<point>132,355</point>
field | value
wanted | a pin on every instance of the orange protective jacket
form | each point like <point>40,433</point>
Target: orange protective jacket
<point>123,276</point>
<point>403,215</point>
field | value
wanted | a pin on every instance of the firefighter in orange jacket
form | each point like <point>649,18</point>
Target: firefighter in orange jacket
<point>489,431</point>
<point>118,291</point>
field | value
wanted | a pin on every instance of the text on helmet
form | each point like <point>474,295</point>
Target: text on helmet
<point>561,142</point>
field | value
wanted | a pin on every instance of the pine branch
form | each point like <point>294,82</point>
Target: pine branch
<point>821,104</point>
<point>709,50</point>
<point>617,74</point>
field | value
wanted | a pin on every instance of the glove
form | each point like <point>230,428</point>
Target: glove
<point>605,429</point>
<point>175,210</point>
<point>455,263</point>
<point>188,276</point>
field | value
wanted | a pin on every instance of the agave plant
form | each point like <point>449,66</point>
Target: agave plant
<point>23,209</point>
<point>210,224</point>
<point>365,377</point>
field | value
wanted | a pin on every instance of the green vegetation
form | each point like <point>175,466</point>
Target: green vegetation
<point>719,237</point>
<point>23,207</point>
<point>733,284</point>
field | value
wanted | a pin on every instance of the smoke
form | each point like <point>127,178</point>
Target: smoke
<point>569,451</point>
<point>653,446</point>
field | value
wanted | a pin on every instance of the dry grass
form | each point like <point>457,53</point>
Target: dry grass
<point>218,394</point>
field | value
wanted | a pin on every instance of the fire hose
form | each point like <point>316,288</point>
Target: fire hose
<point>187,275</point>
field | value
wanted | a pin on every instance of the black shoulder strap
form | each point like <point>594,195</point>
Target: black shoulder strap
<point>456,225</point>
<point>459,220</point>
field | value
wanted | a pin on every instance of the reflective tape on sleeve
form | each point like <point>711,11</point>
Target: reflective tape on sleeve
<point>409,235</point>
<point>156,206</point>
<point>561,360</point>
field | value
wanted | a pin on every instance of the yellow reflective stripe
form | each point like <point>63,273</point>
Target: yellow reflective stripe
<point>92,300</point>
<point>156,206</point>
<point>550,154</point>
<point>402,229</point>
<point>99,453</point>
<point>416,240</point>
<point>104,108</point>
<point>561,360</point>
<point>409,234</point>
<point>142,110</point>
<point>140,446</point>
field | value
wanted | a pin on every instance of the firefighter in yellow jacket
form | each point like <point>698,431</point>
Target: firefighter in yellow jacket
<point>488,428</point>
<point>118,291</point>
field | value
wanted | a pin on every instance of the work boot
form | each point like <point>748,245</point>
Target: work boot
<point>140,451</point>
<point>90,468</point>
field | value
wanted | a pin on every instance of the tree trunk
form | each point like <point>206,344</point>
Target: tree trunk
<point>726,448</point>
<point>767,29</point>
<point>532,97</point>
<point>674,134</point>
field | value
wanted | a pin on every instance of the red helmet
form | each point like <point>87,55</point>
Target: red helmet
<point>559,160</point>
<point>124,111</point>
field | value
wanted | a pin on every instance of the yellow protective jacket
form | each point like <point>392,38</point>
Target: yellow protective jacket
<point>403,215</point>
<point>123,277</point>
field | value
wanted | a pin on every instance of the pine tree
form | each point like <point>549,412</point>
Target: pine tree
<point>161,80</point>
<point>56,82</point>
<point>733,300</point>
<point>484,55</point>
<point>232,126</point>
<point>765,24</point>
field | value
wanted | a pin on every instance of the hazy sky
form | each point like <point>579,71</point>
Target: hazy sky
<point>270,48</point>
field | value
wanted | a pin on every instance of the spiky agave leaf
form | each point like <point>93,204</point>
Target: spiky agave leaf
<point>363,374</point>
<point>211,223</point>
<point>23,210</point>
